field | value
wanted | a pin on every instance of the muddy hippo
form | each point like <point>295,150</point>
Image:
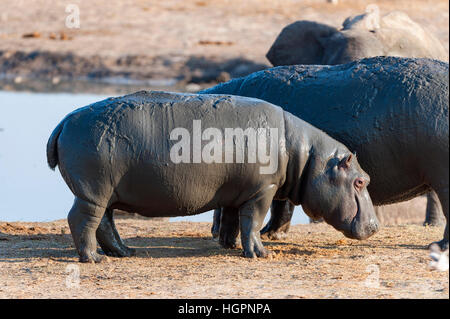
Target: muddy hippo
<point>391,111</point>
<point>361,36</point>
<point>135,153</point>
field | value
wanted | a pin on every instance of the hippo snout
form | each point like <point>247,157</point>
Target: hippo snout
<point>360,231</point>
<point>365,223</point>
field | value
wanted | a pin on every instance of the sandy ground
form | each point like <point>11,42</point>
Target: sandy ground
<point>164,43</point>
<point>180,260</point>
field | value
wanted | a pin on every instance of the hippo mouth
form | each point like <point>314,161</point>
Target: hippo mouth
<point>363,227</point>
<point>353,230</point>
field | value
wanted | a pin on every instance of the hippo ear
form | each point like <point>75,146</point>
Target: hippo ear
<point>346,161</point>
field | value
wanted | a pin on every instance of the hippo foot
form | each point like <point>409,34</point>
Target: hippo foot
<point>228,242</point>
<point>273,235</point>
<point>120,252</point>
<point>215,235</point>
<point>93,257</point>
<point>261,253</point>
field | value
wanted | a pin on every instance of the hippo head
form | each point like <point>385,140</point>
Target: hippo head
<point>336,189</point>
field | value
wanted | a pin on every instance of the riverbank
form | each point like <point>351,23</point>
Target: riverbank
<point>176,45</point>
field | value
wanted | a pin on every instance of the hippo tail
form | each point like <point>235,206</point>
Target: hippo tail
<point>52,145</point>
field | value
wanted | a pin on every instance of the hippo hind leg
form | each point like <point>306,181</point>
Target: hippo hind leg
<point>434,215</point>
<point>216,223</point>
<point>84,218</point>
<point>280,220</point>
<point>229,227</point>
<point>109,239</point>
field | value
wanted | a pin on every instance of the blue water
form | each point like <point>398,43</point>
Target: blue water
<point>29,190</point>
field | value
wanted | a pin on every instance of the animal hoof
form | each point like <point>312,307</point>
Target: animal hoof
<point>227,243</point>
<point>93,258</point>
<point>215,235</point>
<point>273,235</point>
<point>132,252</point>
<point>249,254</point>
<point>124,252</point>
<point>263,253</point>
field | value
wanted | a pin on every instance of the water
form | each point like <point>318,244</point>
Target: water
<point>29,190</point>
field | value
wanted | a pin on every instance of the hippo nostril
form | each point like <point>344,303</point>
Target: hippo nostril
<point>359,183</point>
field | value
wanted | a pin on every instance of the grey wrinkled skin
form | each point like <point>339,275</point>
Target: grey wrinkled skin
<point>393,112</point>
<point>115,154</point>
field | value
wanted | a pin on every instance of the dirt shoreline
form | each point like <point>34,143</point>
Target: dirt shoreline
<point>179,45</point>
<point>180,260</point>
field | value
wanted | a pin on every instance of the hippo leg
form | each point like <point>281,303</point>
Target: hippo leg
<point>84,218</point>
<point>280,219</point>
<point>434,215</point>
<point>216,223</point>
<point>109,239</point>
<point>443,197</point>
<point>251,217</point>
<point>229,227</point>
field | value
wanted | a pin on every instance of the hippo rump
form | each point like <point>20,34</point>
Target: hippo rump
<point>135,153</point>
<point>391,111</point>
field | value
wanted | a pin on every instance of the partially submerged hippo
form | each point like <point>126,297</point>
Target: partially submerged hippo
<point>393,112</point>
<point>123,153</point>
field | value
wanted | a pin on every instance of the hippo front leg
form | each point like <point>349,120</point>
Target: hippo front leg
<point>84,219</point>
<point>280,219</point>
<point>109,239</point>
<point>251,217</point>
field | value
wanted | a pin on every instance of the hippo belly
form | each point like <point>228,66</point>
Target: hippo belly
<point>170,190</point>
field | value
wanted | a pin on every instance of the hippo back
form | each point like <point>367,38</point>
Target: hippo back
<point>378,107</point>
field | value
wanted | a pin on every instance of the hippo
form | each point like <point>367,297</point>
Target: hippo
<point>361,36</point>
<point>391,111</point>
<point>134,153</point>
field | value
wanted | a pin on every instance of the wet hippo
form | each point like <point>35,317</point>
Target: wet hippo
<point>391,111</point>
<point>135,153</point>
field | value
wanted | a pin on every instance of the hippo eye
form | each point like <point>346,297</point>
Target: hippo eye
<point>359,183</point>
